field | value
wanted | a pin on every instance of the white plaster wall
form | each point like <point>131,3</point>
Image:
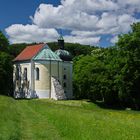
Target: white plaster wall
<point>42,86</point>
<point>28,66</point>
<point>44,77</point>
<point>54,69</point>
<point>42,93</point>
<point>14,71</point>
<point>61,72</point>
<point>67,70</point>
<point>22,66</point>
<point>53,94</point>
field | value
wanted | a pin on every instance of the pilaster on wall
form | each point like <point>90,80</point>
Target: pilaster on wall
<point>32,77</point>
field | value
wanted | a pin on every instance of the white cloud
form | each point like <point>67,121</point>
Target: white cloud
<point>91,5</point>
<point>114,39</point>
<point>30,33</point>
<point>107,20</point>
<point>131,3</point>
<point>47,16</point>
<point>124,22</point>
<point>128,6</point>
<point>83,40</point>
<point>88,20</point>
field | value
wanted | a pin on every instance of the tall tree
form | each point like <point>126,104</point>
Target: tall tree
<point>5,73</point>
<point>3,42</point>
<point>5,66</point>
<point>129,47</point>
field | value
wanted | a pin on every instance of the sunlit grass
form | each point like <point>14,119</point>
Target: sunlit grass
<point>65,120</point>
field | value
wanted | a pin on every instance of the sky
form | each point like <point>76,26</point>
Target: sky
<point>90,22</point>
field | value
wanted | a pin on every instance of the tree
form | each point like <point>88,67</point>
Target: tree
<point>15,49</point>
<point>6,72</point>
<point>94,76</point>
<point>129,48</point>
<point>74,48</point>
<point>3,42</point>
<point>5,66</point>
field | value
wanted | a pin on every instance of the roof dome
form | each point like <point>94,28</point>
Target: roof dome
<point>64,55</point>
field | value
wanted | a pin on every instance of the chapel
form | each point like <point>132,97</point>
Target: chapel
<point>41,73</point>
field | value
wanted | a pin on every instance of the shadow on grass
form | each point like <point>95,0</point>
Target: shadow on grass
<point>22,98</point>
<point>103,105</point>
<point>6,95</point>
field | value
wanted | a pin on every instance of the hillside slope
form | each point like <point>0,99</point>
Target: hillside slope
<point>64,120</point>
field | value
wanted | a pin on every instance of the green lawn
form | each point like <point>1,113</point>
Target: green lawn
<point>64,120</point>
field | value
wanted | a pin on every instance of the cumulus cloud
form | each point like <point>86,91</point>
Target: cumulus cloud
<point>87,21</point>
<point>114,39</point>
<point>91,5</point>
<point>83,40</point>
<point>47,16</point>
<point>30,33</point>
<point>130,6</point>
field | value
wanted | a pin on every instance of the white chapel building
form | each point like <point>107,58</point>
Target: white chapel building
<point>41,73</point>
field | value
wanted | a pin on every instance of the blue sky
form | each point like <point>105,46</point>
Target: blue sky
<point>18,11</point>
<point>92,22</point>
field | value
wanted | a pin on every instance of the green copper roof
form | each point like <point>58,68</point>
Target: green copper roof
<point>47,54</point>
<point>62,52</point>
<point>64,55</point>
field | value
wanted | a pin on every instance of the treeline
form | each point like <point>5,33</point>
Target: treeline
<point>111,75</point>
<point>74,48</point>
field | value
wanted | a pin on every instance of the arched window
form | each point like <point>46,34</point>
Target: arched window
<point>17,73</point>
<point>37,73</point>
<point>25,74</point>
<point>64,84</point>
<point>64,76</point>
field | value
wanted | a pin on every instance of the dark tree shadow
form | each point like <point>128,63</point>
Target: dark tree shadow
<point>101,104</point>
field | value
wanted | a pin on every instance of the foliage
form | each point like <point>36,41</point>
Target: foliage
<point>94,76</point>
<point>5,66</point>
<point>129,47</point>
<point>74,48</point>
<point>15,49</point>
<point>3,42</point>
<point>5,73</point>
<point>111,75</point>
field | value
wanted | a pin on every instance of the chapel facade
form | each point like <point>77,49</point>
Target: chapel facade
<point>41,73</point>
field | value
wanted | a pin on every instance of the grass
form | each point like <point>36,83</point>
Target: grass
<point>65,120</point>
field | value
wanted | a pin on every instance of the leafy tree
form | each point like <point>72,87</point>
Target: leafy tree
<point>5,73</point>
<point>15,49</point>
<point>3,42</point>
<point>74,48</point>
<point>94,76</point>
<point>112,74</point>
<point>129,46</point>
<point>5,66</point>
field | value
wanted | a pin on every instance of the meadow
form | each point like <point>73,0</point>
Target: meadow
<point>65,120</point>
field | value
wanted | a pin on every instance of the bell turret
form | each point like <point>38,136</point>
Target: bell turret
<point>61,42</point>
<point>61,52</point>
